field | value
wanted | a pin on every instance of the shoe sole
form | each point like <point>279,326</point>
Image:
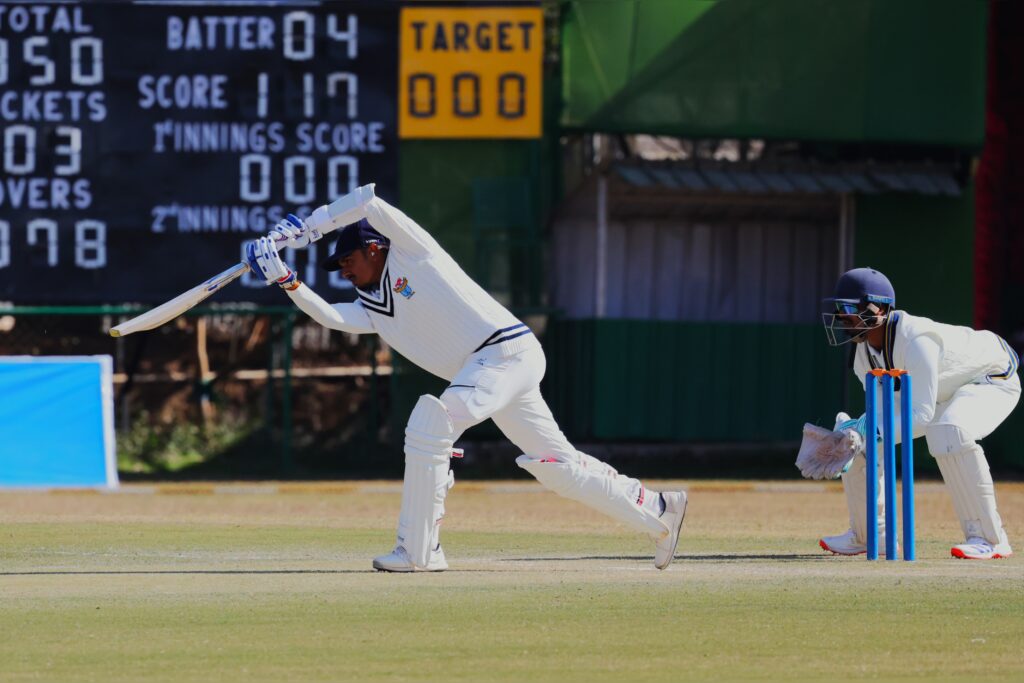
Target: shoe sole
<point>826,548</point>
<point>679,529</point>
<point>381,568</point>
<point>961,555</point>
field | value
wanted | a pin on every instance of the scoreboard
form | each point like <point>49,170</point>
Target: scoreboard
<point>144,143</point>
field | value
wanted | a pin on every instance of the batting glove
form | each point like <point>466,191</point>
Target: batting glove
<point>294,232</point>
<point>263,260</point>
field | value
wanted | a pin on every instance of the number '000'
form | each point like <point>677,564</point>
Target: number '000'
<point>466,98</point>
<point>254,178</point>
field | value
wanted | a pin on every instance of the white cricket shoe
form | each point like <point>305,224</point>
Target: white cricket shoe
<point>398,561</point>
<point>675,511</point>
<point>979,549</point>
<point>847,544</point>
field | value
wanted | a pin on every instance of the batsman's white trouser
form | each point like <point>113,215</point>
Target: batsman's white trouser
<point>507,390</point>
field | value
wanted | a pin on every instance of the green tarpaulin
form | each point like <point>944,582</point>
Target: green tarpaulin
<point>910,71</point>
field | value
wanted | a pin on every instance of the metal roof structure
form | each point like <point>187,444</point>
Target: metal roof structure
<point>791,178</point>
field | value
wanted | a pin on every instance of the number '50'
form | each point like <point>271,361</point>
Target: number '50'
<point>466,95</point>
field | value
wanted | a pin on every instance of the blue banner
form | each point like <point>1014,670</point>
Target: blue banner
<point>56,422</point>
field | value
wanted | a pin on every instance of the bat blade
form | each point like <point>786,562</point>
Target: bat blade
<point>170,310</point>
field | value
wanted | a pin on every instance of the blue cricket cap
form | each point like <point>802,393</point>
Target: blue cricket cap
<point>861,286</point>
<point>352,237</point>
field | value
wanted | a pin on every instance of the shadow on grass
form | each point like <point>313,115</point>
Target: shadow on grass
<point>116,572</point>
<point>270,572</point>
<point>680,558</point>
<point>241,572</point>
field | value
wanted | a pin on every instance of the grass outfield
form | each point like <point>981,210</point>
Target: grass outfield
<point>264,583</point>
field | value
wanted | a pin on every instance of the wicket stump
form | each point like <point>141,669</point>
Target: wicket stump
<point>889,378</point>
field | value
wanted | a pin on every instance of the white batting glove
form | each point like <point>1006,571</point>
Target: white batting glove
<point>263,260</point>
<point>294,232</point>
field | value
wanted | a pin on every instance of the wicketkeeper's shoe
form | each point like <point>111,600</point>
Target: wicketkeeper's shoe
<point>398,561</point>
<point>979,549</point>
<point>675,511</point>
<point>847,544</point>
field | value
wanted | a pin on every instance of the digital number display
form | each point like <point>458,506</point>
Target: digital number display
<point>471,72</point>
<point>144,143</point>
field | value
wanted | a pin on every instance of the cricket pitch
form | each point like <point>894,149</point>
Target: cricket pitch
<point>255,582</point>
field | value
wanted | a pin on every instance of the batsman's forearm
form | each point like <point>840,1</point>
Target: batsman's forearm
<point>354,321</point>
<point>341,212</point>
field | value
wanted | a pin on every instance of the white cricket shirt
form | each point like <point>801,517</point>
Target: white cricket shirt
<point>425,306</point>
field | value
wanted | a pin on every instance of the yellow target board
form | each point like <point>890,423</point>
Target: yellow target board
<point>470,72</point>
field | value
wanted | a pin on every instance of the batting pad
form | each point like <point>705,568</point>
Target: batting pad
<point>969,482</point>
<point>855,482</point>
<point>57,421</point>
<point>428,450</point>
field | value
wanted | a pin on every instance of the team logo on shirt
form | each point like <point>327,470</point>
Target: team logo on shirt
<point>402,287</point>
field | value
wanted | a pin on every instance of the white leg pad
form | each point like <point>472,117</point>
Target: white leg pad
<point>855,486</point>
<point>969,481</point>
<point>596,485</point>
<point>429,437</point>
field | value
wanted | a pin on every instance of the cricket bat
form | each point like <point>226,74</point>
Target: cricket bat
<point>170,310</point>
<point>341,212</point>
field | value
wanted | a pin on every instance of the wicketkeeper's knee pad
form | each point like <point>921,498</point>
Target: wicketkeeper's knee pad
<point>594,487</point>
<point>429,437</point>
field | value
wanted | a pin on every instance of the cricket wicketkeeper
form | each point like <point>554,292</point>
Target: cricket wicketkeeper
<point>965,385</point>
<point>414,295</point>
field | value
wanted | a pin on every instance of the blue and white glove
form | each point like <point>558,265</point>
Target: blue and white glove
<point>844,422</point>
<point>263,260</point>
<point>294,232</point>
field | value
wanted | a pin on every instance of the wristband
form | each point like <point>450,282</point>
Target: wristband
<point>289,282</point>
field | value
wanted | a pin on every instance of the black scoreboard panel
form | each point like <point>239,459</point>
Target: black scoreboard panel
<point>144,143</point>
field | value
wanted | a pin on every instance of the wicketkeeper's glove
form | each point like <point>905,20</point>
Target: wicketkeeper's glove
<point>826,454</point>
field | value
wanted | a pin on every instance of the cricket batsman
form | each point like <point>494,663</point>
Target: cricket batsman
<point>965,385</point>
<point>418,299</point>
